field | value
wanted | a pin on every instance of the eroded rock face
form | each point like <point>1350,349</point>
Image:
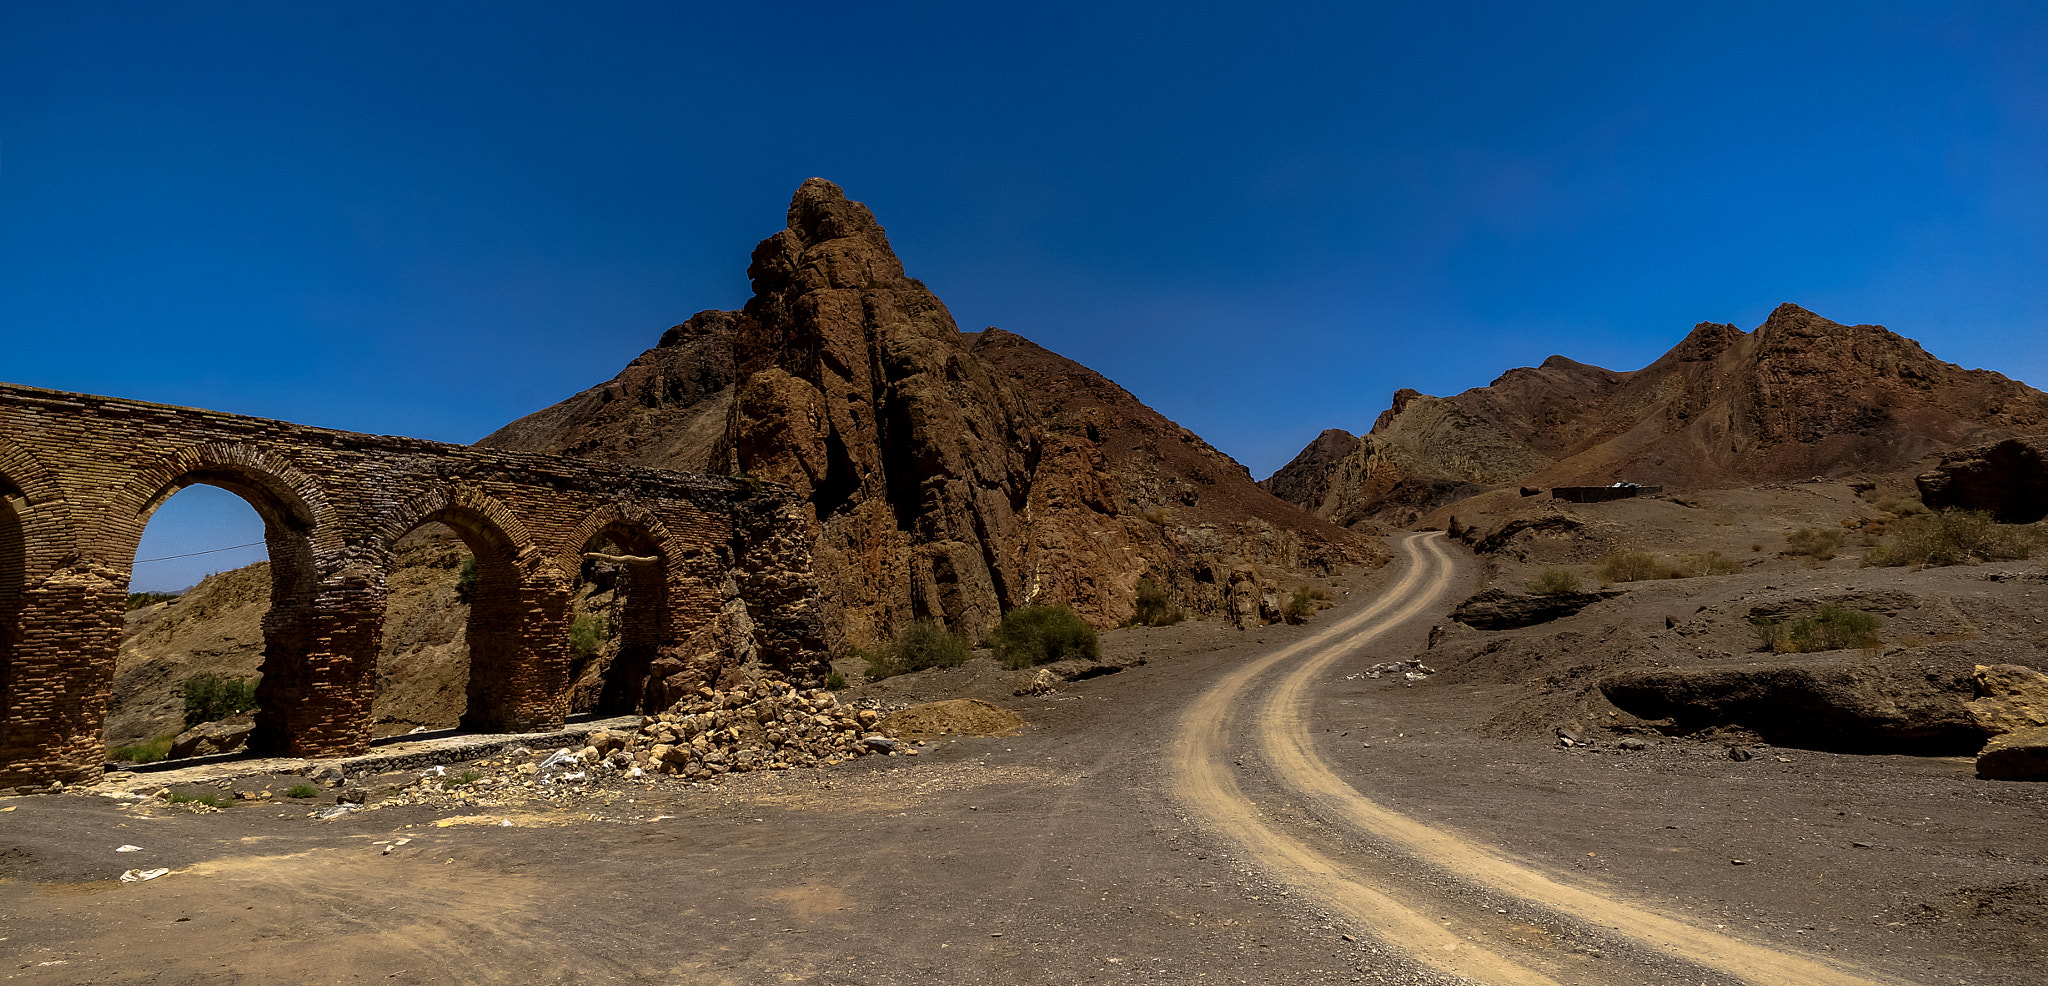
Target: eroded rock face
<point>2007,479</point>
<point>1847,706</point>
<point>946,475</point>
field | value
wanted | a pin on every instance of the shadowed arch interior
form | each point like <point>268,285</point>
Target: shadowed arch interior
<point>642,625</point>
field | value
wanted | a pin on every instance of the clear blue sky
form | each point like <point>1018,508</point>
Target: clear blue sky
<point>429,219</point>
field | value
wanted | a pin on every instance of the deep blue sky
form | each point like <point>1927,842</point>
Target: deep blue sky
<point>431,219</point>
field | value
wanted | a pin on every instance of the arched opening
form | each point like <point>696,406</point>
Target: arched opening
<point>454,567</point>
<point>423,661</point>
<point>619,621</point>
<point>221,583</point>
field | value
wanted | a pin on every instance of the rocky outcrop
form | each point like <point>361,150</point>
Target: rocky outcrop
<point>210,738</point>
<point>1306,479</point>
<point>1494,608</point>
<point>2010,698</point>
<point>946,475</point>
<point>1801,396</point>
<point>2007,479</point>
<point>1847,706</point>
<point>2016,756</point>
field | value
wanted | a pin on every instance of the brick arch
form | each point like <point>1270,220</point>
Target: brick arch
<point>471,512</point>
<point>647,626</point>
<point>624,517</point>
<point>49,534</point>
<point>294,505</point>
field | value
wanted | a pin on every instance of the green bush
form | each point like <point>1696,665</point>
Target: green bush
<point>1298,607</point>
<point>137,600</point>
<point>1953,537</point>
<point>148,751</point>
<point>1818,543</point>
<point>835,681</point>
<point>1831,628</point>
<point>211,698</point>
<point>465,583</point>
<point>464,779</point>
<point>586,634</point>
<point>1155,606</point>
<point>1554,582</point>
<point>923,644</point>
<point>209,799</point>
<point>1635,566</point>
<point>1034,635</point>
<point>302,791</point>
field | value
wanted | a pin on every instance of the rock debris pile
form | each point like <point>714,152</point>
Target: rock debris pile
<point>770,726</point>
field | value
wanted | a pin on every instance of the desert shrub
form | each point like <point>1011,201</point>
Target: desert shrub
<point>465,581</point>
<point>147,751</point>
<point>207,798</point>
<point>302,791</point>
<point>1635,566</point>
<point>1555,582</point>
<point>1953,537</point>
<point>586,634</point>
<point>1162,516</point>
<point>1155,606</point>
<point>137,600</point>
<point>835,681</point>
<point>1033,635</point>
<point>1711,563</point>
<point>1817,543</point>
<point>923,644</point>
<point>1830,628</point>
<point>211,698</point>
<point>1298,607</point>
<point>464,779</point>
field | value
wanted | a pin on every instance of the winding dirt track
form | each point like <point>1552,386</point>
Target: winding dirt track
<point>1263,708</point>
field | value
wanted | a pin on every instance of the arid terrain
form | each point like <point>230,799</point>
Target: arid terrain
<point>1725,731</point>
<point>1229,806</point>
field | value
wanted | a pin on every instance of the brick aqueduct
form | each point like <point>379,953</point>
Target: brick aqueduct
<point>730,588</point>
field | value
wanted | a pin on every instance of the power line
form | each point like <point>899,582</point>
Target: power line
<point>195,554</point>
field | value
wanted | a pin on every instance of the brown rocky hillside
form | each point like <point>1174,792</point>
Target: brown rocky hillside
<point>949,475</point>
<point>1799,397</point>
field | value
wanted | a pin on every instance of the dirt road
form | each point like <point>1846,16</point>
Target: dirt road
<point>1265,705</point>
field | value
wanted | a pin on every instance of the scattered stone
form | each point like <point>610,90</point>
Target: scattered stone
<point>1634,743</point>
<point>1741,754</point>
<point>210,738</point>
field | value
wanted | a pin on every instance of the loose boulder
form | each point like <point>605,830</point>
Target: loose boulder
<point>1846,706</point>
<point>210,738</point>
<point>2016,756</point>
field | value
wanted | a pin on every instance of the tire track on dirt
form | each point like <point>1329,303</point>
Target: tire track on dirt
<point>1394,909</point>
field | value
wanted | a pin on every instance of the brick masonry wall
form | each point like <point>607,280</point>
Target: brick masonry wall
<point>80,476</point>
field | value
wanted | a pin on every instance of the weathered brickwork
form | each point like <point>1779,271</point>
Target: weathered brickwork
<point>731,594</point>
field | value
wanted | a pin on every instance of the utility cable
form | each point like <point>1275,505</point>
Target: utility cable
<point>195,554</point>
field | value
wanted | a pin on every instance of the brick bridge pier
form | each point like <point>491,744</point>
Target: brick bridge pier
<point>731,587</point>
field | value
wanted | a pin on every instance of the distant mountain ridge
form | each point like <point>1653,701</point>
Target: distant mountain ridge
<point>949,475</point>
<point>1800,396</point>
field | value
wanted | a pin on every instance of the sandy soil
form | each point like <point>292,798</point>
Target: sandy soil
<point>1104,842</point>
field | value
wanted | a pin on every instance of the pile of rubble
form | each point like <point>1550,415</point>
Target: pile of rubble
<point>768,725</point>
<point>1409,671</point>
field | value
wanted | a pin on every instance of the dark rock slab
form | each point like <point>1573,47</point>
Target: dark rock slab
<point>1494,608</point>
<point>1842,705</point>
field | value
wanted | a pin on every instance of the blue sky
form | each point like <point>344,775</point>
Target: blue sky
<point>1261,219</point>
